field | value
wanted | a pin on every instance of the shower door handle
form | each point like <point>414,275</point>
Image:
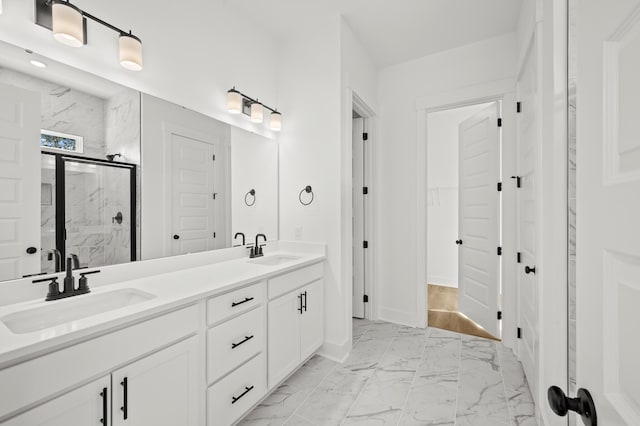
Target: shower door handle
<point>176,237</point>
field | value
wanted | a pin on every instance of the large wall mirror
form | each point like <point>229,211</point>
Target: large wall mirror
<point>101,174</point>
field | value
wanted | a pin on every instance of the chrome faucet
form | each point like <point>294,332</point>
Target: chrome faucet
<point>257,248</point>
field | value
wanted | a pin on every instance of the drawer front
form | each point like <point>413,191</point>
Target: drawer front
<point>235,302</point>
<point>233,342</point>
<point>289,282</point>
<point>234,395</point>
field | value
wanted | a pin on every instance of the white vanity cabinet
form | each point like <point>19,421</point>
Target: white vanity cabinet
<point>295,320</point>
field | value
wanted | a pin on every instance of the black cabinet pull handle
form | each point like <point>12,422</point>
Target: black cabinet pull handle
<point>124,408</point>
<point>528,270</point>
<point>246,339</point>
<point>300,304</point>
<point>105,409</point>
<point>305,301</point>
<point>248,299</point>
<point>237,398</point>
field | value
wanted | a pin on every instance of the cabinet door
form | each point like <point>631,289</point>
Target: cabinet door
<point>161,389</point>
<point>312,330</point>
<point>284,336</point>
<point>85,406</point>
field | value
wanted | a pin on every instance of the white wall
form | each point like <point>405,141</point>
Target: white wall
<point>254,165</point>
<point>191,61</point>
<point>399,87</point>
<point>442,198</point>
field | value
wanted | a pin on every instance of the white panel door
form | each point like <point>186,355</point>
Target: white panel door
<point>312,329</point>
<point>608,206</point>
<point>85,406</point>
<point>479,173</point>
<point>528,170</point>
<point>161,390</point>
<point>358,218</point>
<point>19,182</point>
<point>193,190</point>
<point>283,336</point>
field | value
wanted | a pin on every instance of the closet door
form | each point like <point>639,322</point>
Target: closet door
<point>284,336</point>
<point>479,173</point>
<point>312,328</point>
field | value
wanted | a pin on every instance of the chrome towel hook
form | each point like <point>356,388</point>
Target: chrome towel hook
<point>308,190</point>
<point>251,193</point>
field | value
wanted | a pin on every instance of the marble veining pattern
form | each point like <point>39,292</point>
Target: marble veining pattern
<point>399,375</point>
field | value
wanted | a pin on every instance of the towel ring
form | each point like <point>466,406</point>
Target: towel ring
<point>252,193</point>
<point>308,190</point>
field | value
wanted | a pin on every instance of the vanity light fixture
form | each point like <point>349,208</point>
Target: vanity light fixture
<point>238,102</point>
<point>69,26</point>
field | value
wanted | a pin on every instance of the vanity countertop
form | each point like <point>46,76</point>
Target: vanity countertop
<point>172,291</point>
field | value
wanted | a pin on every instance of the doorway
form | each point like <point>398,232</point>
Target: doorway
<point>360,192</point>
<point>464,219</point>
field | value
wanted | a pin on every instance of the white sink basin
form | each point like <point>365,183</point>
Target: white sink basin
<point>72,309</point>
<point>276,259</point>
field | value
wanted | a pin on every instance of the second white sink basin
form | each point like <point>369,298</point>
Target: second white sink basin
<point>72,309</point>
<point>276,259</point>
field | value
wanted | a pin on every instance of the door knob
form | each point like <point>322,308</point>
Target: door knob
<point>528,270</point>
<point>32,250</point>
<point>583,404</point>
<point>459,242</point>
<point>176,237</point>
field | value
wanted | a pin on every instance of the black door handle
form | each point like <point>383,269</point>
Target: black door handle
<point>125,405</point>
<point>459,242</point>
<point>32,250</point>
<point>528,270</point>
<point>583,404</point>
<point>105,409</point>
<point>176,237</point>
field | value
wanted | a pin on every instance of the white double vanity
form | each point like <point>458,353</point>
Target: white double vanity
<point>191,340</point>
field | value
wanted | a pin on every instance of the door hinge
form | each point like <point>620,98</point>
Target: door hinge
<point>518,257</point>
<point>518,180</point>
<point>365,190</point>
<point>499,122</point>
<point>214,157</point>
<point>365,298</point>
<point>499,315</point>
<point>518,106</point>
<point>365,244</point>
<point>365,136</point>
<point>499,186</point>
<point>499,251</point>
<point>519,330</point>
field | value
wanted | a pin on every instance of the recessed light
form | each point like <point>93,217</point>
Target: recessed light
<point>37,64</point>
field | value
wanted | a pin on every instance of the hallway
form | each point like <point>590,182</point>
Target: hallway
<point>404,376</point>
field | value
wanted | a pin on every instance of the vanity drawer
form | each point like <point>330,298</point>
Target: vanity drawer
<point>235,341</point>
<point>288,282</point>
<point>234,395</point>
<point>235,302</point>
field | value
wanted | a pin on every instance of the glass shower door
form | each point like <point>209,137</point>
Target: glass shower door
<point>99,212</point>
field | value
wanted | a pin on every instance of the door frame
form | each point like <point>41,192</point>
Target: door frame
<point>500,90</point>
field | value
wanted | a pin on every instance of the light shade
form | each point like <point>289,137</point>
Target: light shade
<point>234,101</point>
<point>68,24</point>
<point>130,52</point>
<point>257,112</point>
<point>276,121</point>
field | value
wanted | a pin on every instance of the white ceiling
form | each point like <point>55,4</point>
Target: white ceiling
<point>392,31</point>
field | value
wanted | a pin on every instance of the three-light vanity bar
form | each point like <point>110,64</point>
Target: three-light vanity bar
<point>69,26</point>
<point>238,102</point>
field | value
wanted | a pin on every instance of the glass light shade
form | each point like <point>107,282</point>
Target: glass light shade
<point>68,24</point>
<point>234,101</point>
<point>276,121</point>
<point>257,112</point>
<point>130,52</point>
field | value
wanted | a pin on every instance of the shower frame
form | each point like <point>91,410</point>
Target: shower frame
<point>61,232</point>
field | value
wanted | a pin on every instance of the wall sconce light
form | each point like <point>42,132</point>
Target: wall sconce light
<point>69,26</point>
<point>239,102</point>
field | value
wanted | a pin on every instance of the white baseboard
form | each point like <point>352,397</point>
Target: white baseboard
<point>397,316</point>
<point>443,281</point>
<point>338,352</point>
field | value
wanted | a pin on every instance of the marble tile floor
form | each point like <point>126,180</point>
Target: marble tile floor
<point>399,375</point>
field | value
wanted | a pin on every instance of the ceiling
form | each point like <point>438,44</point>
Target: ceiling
<point>391,31</point>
